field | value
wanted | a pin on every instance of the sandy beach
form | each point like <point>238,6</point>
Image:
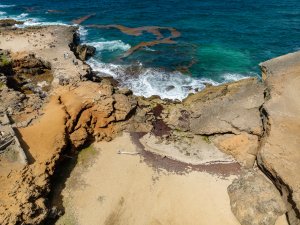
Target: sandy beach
<point>123,189</point>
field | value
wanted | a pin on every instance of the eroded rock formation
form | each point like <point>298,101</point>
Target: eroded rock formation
<point>255,200</point>
<point>279,154</point>
<point>226,116</point>
<point>73,116</point>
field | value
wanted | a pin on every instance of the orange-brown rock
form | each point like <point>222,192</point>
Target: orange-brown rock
<point>243,147</point>
<point>73,114</point>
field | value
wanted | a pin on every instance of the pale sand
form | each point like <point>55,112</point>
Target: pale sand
<point>122,189</point>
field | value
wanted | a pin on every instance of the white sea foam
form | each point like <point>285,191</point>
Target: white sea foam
<point>167,85</point>
<point>6,6</point>
<point>110,45</point>
<point>149,81</point>
<point>297,49</point>
<point>230,77</point>
<point>83,32</point>
<point>21,16</point>
<point>36,22</point>
<point>2,13</point>
<point>149,49</point>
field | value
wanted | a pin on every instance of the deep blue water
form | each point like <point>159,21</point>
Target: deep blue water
<point>221,40</point>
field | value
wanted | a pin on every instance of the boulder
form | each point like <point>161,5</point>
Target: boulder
<point>255,200</point>
<point>85,51</point>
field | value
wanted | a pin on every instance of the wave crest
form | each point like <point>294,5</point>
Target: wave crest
<point>110,45</point>
<point>7,6</point>
<point>148,81</point>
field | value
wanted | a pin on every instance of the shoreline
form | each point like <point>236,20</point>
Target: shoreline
<point>177,86</point>
<point>234,119</point>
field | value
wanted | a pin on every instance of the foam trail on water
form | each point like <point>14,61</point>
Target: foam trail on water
<point>230,77</point>
<point>2,13</point>
<point>83,32</point>
<point>21,16</point>
<point>7,6</point>
<point>36,22</point>
<point>110,45</point>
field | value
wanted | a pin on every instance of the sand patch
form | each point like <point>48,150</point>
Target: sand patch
<point>123,189</point>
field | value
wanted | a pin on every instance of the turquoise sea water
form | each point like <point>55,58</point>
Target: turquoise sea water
<point>220,40</point>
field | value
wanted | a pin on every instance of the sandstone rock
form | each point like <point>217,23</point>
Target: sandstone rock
<point>194,151</point>
<point>229,108</point>
<point>279,155</point>
<point>28,63</point>
<point>255,200</point>
<point>243,147</point>
<point>228,115</point>
<point>123,105</point>
<point>9,22</point>
<point>79,137</point>
<point>124,91</point>
<point>85,51</point>
<point>179,119</point>
<point>226,109</point>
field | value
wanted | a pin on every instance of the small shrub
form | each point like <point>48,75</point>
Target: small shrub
<point>4,61</point>
<point>206,139</point>
<point>86,154</point>
<point>1,84</point>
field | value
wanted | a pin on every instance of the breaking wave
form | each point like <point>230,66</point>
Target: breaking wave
<point>110,45</point>
<point>7,6</point>
<point>230,77</point>
<point>148,81</point>
<point>21,16</point>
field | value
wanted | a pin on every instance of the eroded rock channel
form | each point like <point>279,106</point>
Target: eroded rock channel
<point>242,135</point>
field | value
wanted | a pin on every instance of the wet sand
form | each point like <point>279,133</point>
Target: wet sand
<point>123,189</point>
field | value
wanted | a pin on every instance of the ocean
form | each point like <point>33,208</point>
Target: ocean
<point>171,48</point>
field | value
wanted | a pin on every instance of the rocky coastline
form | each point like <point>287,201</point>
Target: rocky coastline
<point>56,106</point>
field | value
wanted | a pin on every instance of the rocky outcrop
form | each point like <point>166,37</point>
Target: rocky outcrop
<point>73,116</point>
<point>9,22</point>
<point>51,44</point>
<point>23,191</point>
<point>255,200</point>
<point>279,154</point>
<point>93,109</point>
<point>229,108</point>
<point>84,51</point>
<point>226,116</point>
<point>30,74</point>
